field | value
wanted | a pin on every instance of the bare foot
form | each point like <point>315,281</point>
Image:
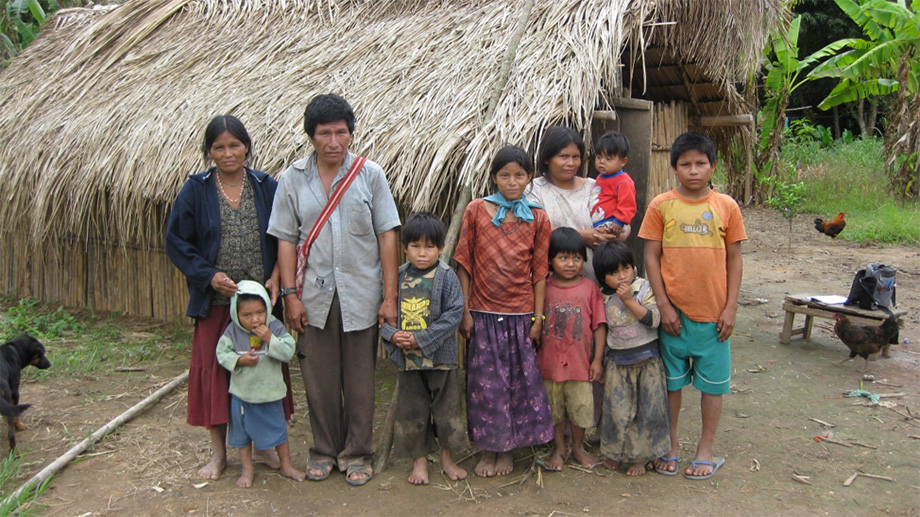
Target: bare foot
<point>245,480</point>
<point>453,471</point>
<point>214,468</point>
<point>584,458</point>
<point>486,466</point>
<point>291,472</point>
<point>611,464</point>
<point>555,461</point>
<point>419,475</point>
<point>636,469</point>
<point>268,457</point>
<point>504,465</point>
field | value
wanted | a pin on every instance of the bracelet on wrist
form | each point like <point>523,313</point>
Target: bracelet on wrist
<point>536,317</point>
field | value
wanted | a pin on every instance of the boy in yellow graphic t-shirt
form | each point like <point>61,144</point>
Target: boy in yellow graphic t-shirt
<point>693,261</point>
<point>424,347</point>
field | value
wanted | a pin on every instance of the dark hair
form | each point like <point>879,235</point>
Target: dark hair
<point>609,257</point>
<point>613,144</point>
<point>509,154</point>
<point>567,240</point>
<point>245,297</point>
<point>693,141</point>
<point>230,124</point>
<point>555,139</point>
<point>327,108</point>
<point>423,226</point>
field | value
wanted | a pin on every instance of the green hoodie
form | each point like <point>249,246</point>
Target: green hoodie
<point>262,382</point>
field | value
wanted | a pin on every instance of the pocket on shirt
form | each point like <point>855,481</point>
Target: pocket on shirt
<point>360,221</point>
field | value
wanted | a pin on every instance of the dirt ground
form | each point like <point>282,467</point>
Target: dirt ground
<point>769,421</point>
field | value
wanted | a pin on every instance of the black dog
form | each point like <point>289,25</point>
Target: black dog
<point>15,355</point>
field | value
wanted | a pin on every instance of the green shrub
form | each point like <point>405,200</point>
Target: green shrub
<point>849,176</point>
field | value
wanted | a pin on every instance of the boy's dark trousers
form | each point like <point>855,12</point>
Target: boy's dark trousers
<point>429,405</point>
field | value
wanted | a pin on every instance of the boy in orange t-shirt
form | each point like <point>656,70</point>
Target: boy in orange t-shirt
<point>693,261</point>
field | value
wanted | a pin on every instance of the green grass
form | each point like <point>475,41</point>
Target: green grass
<point>10,471</point>
<point>80,345</point>
<point>849,176</point>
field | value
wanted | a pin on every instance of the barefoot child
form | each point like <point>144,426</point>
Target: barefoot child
<point>253,348</point>
<point>634,428</point>
<point>502,253</point>
<point>572,348</point>
<point>693,258</point>
<point>424,347</point>
<point>614,192</point>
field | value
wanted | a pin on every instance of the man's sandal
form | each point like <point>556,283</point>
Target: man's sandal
<point>359,469</point>
<point>324,466</point>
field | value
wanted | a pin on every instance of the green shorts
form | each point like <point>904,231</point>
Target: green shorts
<point>697,356</point>
<point>572,400</point>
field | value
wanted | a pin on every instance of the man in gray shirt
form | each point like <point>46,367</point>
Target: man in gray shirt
<point>349,286</point>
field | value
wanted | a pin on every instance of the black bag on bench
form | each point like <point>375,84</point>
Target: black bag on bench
<point>873,288</point>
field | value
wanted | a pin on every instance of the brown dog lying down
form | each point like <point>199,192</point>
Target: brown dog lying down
<point>15,355</point>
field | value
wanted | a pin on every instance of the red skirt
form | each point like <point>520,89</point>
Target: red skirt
<point>209,382</point>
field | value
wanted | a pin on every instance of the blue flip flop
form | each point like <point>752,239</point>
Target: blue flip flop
<point>716,464</point>
<point>541,462</point>
<point>666,472</point>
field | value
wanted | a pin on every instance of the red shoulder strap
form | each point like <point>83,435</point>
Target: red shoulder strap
<point>304,249</point>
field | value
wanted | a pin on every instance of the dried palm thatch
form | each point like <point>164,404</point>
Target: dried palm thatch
<point>104,116</point>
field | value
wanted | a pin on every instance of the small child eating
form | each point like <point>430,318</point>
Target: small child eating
<point>253,348</point>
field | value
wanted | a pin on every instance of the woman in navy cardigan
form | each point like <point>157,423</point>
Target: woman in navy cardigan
<point>216,236</point>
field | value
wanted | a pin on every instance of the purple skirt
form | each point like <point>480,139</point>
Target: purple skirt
<point>506,402</point>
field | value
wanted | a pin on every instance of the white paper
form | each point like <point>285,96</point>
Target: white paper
<point>829,299</point>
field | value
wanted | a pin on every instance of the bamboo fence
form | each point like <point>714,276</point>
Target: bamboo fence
<point>669,121</point>
<point>93,275</point>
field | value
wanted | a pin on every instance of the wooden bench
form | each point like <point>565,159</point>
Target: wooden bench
<point>803,304</point>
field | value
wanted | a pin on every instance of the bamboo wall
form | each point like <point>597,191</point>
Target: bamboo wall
<point>92,275</point>
<point>668,122</point>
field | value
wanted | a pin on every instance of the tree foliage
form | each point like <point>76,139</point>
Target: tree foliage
<point>785,73</point>
<point>886,61</point>
<point>20,21</point>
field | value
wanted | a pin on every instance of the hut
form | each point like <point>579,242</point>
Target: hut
<point>103,115</point>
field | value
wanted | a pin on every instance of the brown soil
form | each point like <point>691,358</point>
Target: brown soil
<point>148,467</point>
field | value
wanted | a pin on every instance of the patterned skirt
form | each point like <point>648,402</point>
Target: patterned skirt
<point>635,427</point>
<point>506,402</point>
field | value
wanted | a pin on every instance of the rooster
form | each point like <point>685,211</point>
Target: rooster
<point>831,228</point>
<point>865,340</point>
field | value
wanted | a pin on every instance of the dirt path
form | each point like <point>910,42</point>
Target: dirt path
<point>766,434</point>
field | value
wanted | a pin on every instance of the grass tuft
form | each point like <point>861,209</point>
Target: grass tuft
<point>81,345</point>
<point>849,176</point>
<point>10,472</point>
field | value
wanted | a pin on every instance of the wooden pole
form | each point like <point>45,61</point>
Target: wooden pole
<point>62,461</point>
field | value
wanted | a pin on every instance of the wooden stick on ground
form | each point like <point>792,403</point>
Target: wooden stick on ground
<point>75,451</point>
<point>386,435</point>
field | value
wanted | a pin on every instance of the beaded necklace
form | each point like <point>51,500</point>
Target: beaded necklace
<point>220,185</point>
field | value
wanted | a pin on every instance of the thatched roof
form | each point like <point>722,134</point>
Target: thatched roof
<point>103,117</point>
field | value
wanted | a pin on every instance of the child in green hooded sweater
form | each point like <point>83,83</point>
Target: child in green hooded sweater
<point>253,348</point>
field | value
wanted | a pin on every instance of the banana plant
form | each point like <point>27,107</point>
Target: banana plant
<point>785,73</point>
<point>886,61</point>
<point>19,24</point>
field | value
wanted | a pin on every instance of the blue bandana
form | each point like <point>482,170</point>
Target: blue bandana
<point>519,207</point>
